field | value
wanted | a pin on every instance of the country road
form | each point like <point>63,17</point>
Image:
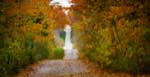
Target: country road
<point>57,68</point>
<point>69,68</point>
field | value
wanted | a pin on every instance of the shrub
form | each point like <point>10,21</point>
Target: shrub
<point>19,54</point>
<point>40,51</point>
<point>58,53</point>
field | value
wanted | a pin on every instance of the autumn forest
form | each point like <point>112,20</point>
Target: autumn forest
<point>112,38</point>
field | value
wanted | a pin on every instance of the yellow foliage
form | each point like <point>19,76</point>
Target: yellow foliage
<point>89,46</point>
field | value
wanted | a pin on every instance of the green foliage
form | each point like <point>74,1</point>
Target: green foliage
<point>58,53</point>
<point>2,19</point>
<point>38,19</point>
<point>40,51</point>
<point>19,54</point>
<point>29,41</point>
<point>1,13</point>
<point>146,36</point>
<point>44,32</point>
<point>7,66</point>
<point>4,5</point>
<point>2,44</point>
<point>45,25</point>
<point>25,19</point>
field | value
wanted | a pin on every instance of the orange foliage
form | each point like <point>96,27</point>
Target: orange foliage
<point>60,17</point>
<point>118,11</point>
<point>121,23</point>
<point>79,4</point>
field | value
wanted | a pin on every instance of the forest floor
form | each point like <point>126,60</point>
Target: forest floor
<point>69,68</point>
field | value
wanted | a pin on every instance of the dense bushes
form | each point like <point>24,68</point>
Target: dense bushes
<point>116,36</point>
<point>19,54</point>
<point>58,53</point>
